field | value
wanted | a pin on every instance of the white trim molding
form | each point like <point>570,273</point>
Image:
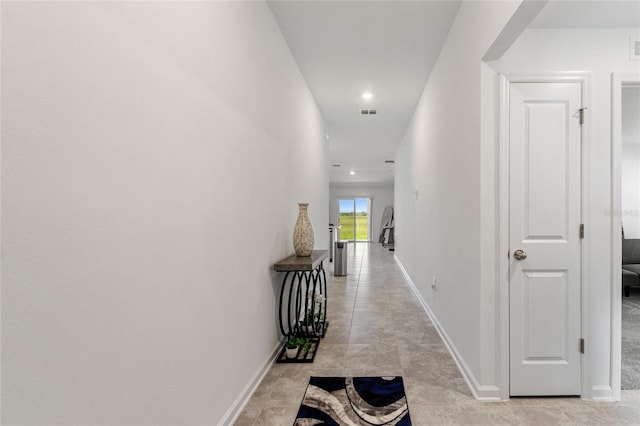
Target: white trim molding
<point>482,393</point>
<point>618,80</point>
<point>241,401</point>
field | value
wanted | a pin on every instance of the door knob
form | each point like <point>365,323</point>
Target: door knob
<point>520,254</point>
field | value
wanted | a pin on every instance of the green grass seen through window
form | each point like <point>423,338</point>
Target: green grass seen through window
<point>346,230</point>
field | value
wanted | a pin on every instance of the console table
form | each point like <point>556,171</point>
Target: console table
<point>303,296</point>
<point>302,310</point>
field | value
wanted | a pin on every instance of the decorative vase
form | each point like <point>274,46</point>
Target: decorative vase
<point>303,233</point>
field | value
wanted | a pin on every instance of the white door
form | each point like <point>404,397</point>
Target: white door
<point>544,222</point>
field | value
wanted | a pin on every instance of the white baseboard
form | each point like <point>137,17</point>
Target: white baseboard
<point>482,393</point>
<point>241,401</point>
<point>602,393</point>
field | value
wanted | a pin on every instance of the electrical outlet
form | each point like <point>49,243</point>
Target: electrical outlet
<point>434,282</point>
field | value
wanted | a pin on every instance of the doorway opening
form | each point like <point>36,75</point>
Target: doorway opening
<point>626,101</point>
<point>355,219</point>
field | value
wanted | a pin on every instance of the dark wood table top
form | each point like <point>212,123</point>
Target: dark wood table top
<point>297,263</point>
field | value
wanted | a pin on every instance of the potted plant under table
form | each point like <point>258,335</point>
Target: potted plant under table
<point>293,346</point>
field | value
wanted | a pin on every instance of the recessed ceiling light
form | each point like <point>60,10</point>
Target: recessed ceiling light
<point>352,173</point>
<point>367,95</point>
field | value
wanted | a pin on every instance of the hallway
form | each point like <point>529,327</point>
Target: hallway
<point>378,327</point>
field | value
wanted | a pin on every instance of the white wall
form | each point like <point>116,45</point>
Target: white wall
<point>382,197</point>
<point>630,194</point>
<point>438,193</point>
<point>599,52</point>
<point>152,158</point>
<point>446,185</point>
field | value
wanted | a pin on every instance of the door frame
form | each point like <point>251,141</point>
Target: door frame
<point>618,80</point>
<point>503,220</point>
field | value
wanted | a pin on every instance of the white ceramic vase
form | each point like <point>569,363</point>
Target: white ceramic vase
<point>303,238</point>
<point>292,352</point>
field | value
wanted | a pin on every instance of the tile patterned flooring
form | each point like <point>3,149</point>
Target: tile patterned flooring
<point>378,328</point>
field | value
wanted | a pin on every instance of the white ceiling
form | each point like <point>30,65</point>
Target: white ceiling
<point>589,14</point>
<point>344,48</point>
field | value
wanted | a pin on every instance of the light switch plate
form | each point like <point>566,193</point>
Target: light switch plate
<point>634,49</point>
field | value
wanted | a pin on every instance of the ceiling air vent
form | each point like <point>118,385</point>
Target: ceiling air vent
<point>368,111</point>
<point>389,161</point>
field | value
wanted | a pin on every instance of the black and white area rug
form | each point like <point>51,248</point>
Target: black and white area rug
<point>352,401</point>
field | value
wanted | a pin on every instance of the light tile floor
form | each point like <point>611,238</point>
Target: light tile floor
<point>378,328</point>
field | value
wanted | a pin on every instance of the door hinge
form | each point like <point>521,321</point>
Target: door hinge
<point>581,111</point>
<point>581,230</point>
<point>581,346</point>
